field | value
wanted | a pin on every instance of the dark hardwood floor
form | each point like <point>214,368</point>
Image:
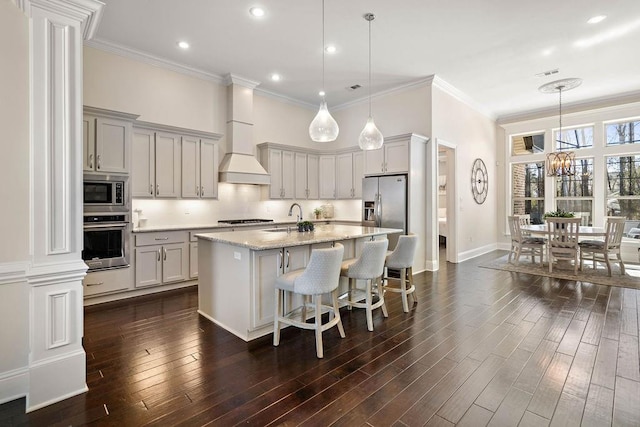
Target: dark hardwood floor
<point>481,347</point>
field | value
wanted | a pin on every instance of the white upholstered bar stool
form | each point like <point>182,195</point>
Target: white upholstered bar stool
<point>402,259</point>
<point>321,276</point>
<point>368,267</point>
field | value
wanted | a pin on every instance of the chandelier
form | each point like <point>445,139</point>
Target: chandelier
<point>560,163</point>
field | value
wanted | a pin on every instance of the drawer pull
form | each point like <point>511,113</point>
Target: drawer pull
<point>94,284</point>
<point>161,238</point>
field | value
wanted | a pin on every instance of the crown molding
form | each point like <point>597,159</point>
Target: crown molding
<point>87,12</point>
<point>575,107</point>
<point>240,81</point>
<point>462,97</point>
<point>285,99</point>
<point>153,60</point>
<point>400,88</point>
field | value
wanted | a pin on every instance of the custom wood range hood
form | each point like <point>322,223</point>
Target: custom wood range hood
<point>240,165</point>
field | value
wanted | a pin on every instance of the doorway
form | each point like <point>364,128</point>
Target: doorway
<point>446,200</point>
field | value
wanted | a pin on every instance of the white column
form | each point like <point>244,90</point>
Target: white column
<point>56,357</point>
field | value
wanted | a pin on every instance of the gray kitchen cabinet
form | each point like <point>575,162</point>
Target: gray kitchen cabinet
<point>328,176</point>
<point>307,169</point>
<point>107,281</point>
<point>156,164</point>
<point>280,165</point>
<point>199,168</point>
<point>392,158</point>
<point>349,174</point>
<point>161,258</point>
<point>106,137</point>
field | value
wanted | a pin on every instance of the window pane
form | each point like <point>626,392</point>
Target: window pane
<point>629,208</point>
<point>581,208</point>
<point>578,185</point>
<point>528,180</point>
<point>623,133</point>
<point>623,176</point>
<point>574,139</point>
<point>533,207</point>
<point>527,144</point>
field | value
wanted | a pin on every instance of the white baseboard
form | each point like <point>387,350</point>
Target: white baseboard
<point>53,380</point>
<point>467,255</point>
<point>137,293</point>
<point>14,384</point>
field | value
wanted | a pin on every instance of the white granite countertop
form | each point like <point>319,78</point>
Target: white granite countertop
<point>216,225</point>
<point>263,239</point>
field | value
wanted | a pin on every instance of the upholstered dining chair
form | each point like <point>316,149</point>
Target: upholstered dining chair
<point>524,245</point>
<point>562,240</point>
<point>599,250</point>
<point>369,267</point>
<point>402,259</point>
<point>321,276</point>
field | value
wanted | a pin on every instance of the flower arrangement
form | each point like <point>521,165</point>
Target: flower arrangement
<point>559,213</point>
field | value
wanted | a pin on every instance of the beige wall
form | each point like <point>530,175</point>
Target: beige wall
<point>281,122</point>
<point>14,122</point>
<point>474,134</point>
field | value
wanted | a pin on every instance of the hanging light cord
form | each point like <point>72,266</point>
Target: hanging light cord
<point>560,112</point>
<point>323,91</point>
<point>370,19</point>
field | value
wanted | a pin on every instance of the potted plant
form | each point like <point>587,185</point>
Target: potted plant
<point>318,213</point>
<point>559,213</point>
<point>305,226</point>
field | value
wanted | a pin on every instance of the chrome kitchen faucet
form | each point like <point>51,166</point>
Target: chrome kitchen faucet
<point>291,211</point>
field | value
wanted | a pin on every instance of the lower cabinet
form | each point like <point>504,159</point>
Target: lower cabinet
<point>157,264</point>
<point>267,266</point>
<point>107,281</point>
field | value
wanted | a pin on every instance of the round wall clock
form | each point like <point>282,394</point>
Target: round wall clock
<point>479,181</point>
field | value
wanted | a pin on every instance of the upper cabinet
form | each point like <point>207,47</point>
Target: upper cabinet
<point>280,165</point>
<point>327,176</point>
<point>349,174</point>
<point>171,162</point>
<point>392,158</point>
<point>106,137</point>
<point>306,176</point>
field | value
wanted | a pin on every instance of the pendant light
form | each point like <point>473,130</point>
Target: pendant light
<point>370,138</point>
<point>323,127</point>
<point>560,163</point>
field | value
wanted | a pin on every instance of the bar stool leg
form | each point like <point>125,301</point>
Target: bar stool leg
<point>318,327</point>
<point>368,307</point>
<point>385,313</point>
<point>276,323</point>
<point>403,285</point>
<point>336,309</point>
<point>411,286</point>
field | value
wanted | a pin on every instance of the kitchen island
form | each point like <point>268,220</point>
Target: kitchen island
<point>237,270</point>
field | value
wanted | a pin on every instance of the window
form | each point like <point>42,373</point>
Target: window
<point>623,186</point>
<point>574,139</point>
<point>527,144</point>
<point>528,190</point>
<point>575,193</point>
<point>627,132</point>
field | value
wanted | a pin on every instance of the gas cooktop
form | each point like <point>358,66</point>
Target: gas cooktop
<point>244,221</point>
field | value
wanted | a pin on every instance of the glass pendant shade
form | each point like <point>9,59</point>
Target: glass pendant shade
<point>370,138</point>
<point>323,127</point>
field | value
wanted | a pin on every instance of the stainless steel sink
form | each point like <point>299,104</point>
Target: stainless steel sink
<point>277,230</point>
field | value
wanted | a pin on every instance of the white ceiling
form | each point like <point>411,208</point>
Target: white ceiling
<point>490,50</point>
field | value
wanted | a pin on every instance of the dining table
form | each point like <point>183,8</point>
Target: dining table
<point>584,231</point>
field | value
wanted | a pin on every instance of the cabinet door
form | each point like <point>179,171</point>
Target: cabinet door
<point>143,169</point>
<point>174,262</point>
<point>396,157</point>
<point>88,143</point>
<point>267,266</point>
<point>313,169</point>
<point>358,174</point>
<point>190,167</point>
<point>105,281</point>
<point>344,176</point>
<point>275,170</point>
<point>208,169</point>
<point>374,162</point>
<point>193,260</point>
<point>288,175</point>
<point>112,145</point>
<point>300,165</point>
<point>327,177</point>
<point>167,165</point>
<point>148,266</point>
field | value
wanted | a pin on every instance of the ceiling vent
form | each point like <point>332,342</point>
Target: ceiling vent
<point>548,73</point>
<point>354,87</point>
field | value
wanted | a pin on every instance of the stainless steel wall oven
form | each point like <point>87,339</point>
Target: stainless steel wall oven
<point>106,241</point>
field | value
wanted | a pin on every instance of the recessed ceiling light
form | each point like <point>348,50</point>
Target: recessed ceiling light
<point>258,12</point>
<point>547,51</point>
<point>276,77</point>
<point>183,45</point>
<point>321,93</point>
<point>330,49</point>
<point>596,19</point>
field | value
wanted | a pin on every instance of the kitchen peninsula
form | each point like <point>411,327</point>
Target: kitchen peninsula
<point>237,270</point>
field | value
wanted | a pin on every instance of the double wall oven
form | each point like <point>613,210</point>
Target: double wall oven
<point>107,221</point>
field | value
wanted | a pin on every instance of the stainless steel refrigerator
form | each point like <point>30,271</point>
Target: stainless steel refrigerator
<point>384,203</point>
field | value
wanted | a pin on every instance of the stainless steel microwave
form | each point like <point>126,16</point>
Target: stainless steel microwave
<point>105,193</point>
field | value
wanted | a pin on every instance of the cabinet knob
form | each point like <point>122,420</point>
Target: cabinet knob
<point>165,253</point>
<point>157,189</point>
<point>202,191</point>
<point>151,189</point>
<point>99,158</point>
<point>158,254</point>
<point>90,165</point>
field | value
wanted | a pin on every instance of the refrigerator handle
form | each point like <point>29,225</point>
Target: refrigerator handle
<point>378,210</point>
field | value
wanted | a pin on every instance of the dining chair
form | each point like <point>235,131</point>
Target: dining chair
<point>562,240</point>
<point>369,267</point>
<point>599,250</point>
<point>524,245</point>
<point>321,276</point>
<point>524,219</point>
